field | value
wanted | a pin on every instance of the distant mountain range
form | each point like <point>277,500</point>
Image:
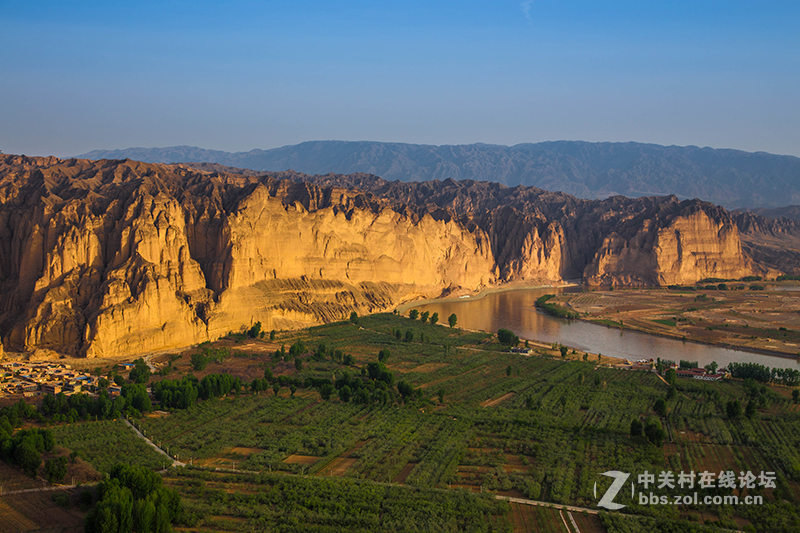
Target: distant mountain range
<point>731,178</point>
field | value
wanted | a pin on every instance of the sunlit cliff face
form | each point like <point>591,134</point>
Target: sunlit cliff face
<point>115,258</point>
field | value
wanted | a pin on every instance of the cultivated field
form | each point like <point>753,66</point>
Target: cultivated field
<point>479,422</point>
<point>767,319</point>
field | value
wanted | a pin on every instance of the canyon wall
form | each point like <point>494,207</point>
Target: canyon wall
<point>117,258</point>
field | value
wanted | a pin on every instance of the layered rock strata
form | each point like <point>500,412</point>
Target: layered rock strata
<point>115,258</point>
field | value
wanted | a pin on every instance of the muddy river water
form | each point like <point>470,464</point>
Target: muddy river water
<point>515,310</point>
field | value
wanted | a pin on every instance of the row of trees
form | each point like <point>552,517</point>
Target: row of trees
<point>764,374</point>
<point>426,316</point>
<point>180,394</point>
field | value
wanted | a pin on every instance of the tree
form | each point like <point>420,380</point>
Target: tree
<point>409,335</point>
<point>733,409</point>
<point>750,410</point>
<point>292,389</point>
<point>796,395</point>
<point>452,319</point>
<point>276,388</point>
<point>199,361</point>
<point>268,374</point>
<point>383,355</point>
<point>563,350</point>
<point>345,393</point>
<point>636,428</point>
<point>440,394</point>
<point>325,391</point>
<point>654,432</point>
<point>660,407</point>
<point>413,314</point>
<point>434,318</point>
<point>671,376</point>
<point>712,367</point>
<point>424,317</point>
<point>254,331</point>
<point>272,335</point>
<point>508,370</point>
<point>140,373</point>
<point>26,456</point>
<point>354,318</point>
<point>298,364</point>
<point>672,392</point>
<point>506,336</point>
<point>405,389</point>
<point>55,469</point>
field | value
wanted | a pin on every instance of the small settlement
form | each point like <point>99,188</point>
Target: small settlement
<point>33,379</point>
<point>699,373</point>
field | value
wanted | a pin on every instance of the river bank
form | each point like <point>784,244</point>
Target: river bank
<point>515,310</point>
<point>405,306</point>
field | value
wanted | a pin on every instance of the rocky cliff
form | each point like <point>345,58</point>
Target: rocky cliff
<point>774,243</point>
<point>115,258</point>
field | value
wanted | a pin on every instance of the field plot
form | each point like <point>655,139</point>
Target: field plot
<point>275,503</point>
<point>588,523</point>
<point>301,459</point>
<point>338,467</point>
<point>765,320</point>
<point>38,512</point>
<point>107,442</point>
<point>492,403</point>
<point>12,520</point>
<point>13,478</point>
<point>538,519</point>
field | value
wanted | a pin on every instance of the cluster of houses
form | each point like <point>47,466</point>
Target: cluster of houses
<point>31,379</point>
<point>699,373</point>
<point>692,373</point>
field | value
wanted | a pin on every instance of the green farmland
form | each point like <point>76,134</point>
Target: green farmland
<point>485,421</point>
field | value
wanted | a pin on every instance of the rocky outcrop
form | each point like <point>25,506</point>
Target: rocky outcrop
<point>689,246</point>
<point>115,258</point>
<point>774,243</point>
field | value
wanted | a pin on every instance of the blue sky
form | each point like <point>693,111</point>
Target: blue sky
<point>239,75</point>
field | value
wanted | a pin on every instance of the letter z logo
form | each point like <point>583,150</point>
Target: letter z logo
<point>607,500</point>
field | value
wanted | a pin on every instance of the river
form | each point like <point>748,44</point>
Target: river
<point>514,310</point>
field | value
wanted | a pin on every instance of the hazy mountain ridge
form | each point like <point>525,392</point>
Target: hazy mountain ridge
<point>791,212</point>
<point>730,178</point>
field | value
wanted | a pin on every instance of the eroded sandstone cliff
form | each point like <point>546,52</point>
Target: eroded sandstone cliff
<point>115,258</point>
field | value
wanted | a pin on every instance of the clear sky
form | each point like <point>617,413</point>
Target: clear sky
<point>237,75</point>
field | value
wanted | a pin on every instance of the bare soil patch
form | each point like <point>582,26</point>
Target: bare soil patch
<point>337,467</point>
<point>496,401</point>
<point>40,509</point>
<point>13,520</point>
<point>588,523</point>
<point>401,477</point>
<point>297,459</point>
